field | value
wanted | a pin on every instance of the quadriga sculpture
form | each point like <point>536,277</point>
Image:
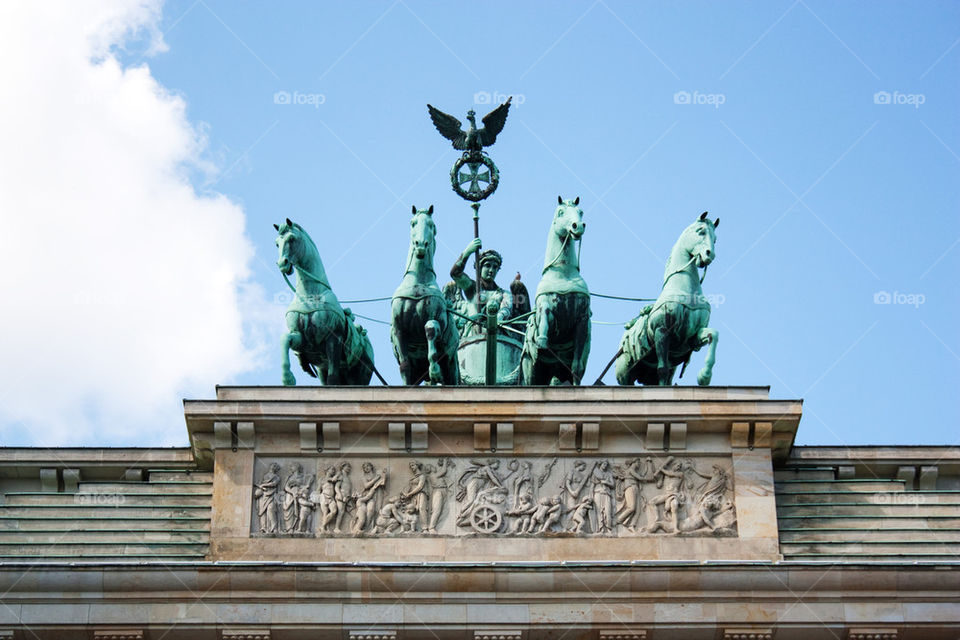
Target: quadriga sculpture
<point>328,342</point>
<point>666,333</point>
<point>422,329</point>
<point>557,341</point>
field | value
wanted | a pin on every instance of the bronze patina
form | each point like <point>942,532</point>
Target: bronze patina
<point>557,341</point>
<point>422,329</point>
<point>666,333</point>
<point>329,343</point>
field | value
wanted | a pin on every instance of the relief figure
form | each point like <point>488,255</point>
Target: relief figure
<point>290,504</point>
<point>436,480</point>
<point>603,496</point>
<point>266,495</point>
<point>370,499</point>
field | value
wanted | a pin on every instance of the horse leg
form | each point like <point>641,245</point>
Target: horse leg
<point>399,339</point>
<point>451,372</point>
<point>289,341</point>
<point>331,349</point>
<point>544,317</point>
<point>661,338</point>
<point>432,331</point>
<point>581,345</point>
<point>708,337</point>
<point>292,339</point>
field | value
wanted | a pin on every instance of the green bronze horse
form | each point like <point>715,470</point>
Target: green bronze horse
<point>328,342</point>
<point>557,341</point>
<point>422,329</point>
<point>666,333</point>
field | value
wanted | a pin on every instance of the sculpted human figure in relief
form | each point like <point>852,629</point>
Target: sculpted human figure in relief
<point>328,504</point>
<point>265,494</point>
<point>573,485</point>
<point>291,492</point>
<point>482,474</point>
<point>603,491</point>
<point>437,482</point>
<point>306,506</point>
<point>415,496</point>
<point>664,509</point>
<point>370,499</point>
<point>343,492</point>
<point>581,516</point>
<point>632,474</point>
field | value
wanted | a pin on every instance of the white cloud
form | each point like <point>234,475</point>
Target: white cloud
<point>121,285</point>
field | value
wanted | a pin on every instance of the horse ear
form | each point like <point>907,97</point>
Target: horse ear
<point>559,200</point>
<point>703,216</point>
<point>577,201</point>
<point>430,211</point>
<point>413,209</point>
<point>289,224</point>
<point>716,223</point>
<point>277,227</point>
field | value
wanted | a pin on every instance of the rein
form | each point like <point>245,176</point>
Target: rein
<point>563,246</point>
<point>684,268</point>
<point>304,272</point>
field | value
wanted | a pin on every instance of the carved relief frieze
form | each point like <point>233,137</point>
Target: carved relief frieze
<point>493,496</point>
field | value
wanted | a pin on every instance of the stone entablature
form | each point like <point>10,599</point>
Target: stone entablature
<point>459,474</point>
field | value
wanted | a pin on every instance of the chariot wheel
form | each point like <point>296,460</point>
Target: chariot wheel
<point>485,519</point>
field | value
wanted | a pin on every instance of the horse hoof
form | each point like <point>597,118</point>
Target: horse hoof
<point>288,379</point>
<point>703,378</point>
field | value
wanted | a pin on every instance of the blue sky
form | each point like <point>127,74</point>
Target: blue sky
<point>833,197</point>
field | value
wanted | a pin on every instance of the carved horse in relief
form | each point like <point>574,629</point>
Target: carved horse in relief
<point>328,342</point>
<point>422,330</point>
<point>557,340</point>
<point>667,332</point>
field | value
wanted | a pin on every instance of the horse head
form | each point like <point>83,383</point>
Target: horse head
<point>423,233</point>
<point>568,219</point>
<point>698,240</point>
<point>290,245</point>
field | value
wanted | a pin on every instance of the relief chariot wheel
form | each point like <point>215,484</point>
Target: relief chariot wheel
<point>474,176</point>
<point>485,519</point>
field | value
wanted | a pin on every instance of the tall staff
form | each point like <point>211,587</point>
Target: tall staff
<point>474,177</point>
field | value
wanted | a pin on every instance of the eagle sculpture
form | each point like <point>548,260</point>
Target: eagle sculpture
<point>472,140</point>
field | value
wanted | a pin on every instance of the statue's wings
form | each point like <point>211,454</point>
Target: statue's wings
<point>449,127</point>
<point>493,123</point>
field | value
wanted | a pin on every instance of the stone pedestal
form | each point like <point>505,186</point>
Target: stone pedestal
<point>464,475</point>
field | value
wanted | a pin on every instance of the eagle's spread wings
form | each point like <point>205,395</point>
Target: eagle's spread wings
<point>449,127</point>
<point>493,123</point>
